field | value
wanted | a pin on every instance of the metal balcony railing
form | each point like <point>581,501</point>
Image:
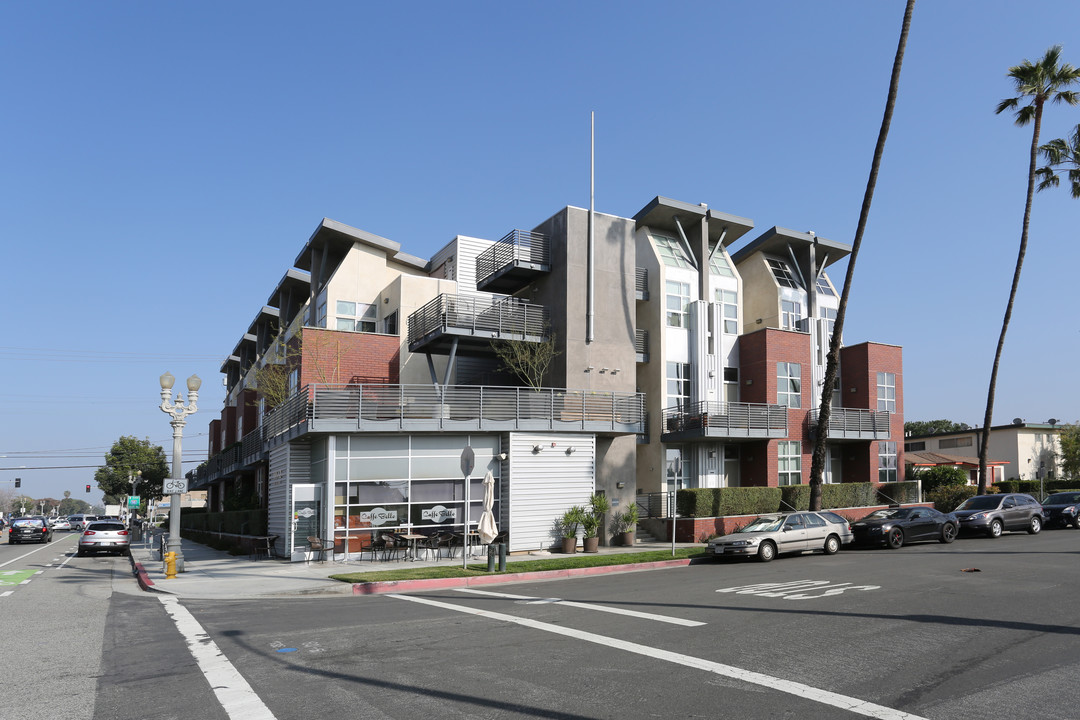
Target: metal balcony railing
<point>641,345</point>
<point>518,247</point>
<point>641,283</point>
<point>727,419</point>
<point>506,318</point>
<point>382,407</point>
<point>855,423</point>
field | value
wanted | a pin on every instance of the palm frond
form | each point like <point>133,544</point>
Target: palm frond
<point>1047,178</point>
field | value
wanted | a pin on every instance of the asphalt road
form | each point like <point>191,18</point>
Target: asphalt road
<point>877,633</point>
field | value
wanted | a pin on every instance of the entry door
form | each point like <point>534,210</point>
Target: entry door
<point>307,518</point>
<point>833,463</point>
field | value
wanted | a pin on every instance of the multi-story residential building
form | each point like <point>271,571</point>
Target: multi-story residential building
<point>676,365</point>
<point>1020,450</point>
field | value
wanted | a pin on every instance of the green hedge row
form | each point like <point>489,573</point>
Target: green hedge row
<point>1033,487</point>
<point>236,522</point>
<point>720,502</point>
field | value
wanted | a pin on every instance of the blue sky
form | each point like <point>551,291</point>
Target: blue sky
<point>164,163</point>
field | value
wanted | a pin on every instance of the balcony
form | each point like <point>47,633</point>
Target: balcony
<point>432,408</point>
<point>641,345</point>
<point>724,420</point>
<point>471,323</point>
<point>641,284</point>
<point>854,424</point>
<point>513,262</point>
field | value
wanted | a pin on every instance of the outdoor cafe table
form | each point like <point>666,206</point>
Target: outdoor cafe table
<point>412,538</point>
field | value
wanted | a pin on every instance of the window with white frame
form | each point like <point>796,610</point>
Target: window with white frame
<point>823,286</point>
<point>678,468</point>
<point>356,317</point>
<point>678,384</point>
<point>791,315</point>
<point>678,297</point>
<point>789,462</point>
<point>886,392</point>
<point>789,384</point>
<point>719,264</point>
<point>671,251</point>
<point>729,303</point>
<point>782,272</point>
<point>886,462</point>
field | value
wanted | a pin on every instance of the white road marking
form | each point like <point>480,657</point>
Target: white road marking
<point>797,589</point>
<point>237,698</point>
<point>588,606</point>
<point>844,702</point>
<point>44,546</point>
<point>5,594</point>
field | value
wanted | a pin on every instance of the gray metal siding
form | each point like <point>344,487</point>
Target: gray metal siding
<point>544,484</point>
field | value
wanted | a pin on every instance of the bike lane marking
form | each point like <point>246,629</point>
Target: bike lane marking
<point>797,589</point>
<point>588,606</point>
<point>825,697</point>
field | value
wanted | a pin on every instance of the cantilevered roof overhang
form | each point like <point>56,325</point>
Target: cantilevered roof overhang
<point>296,282</point>
<point>777,240</point>
<point>336,239</point>
<point>661,212</point>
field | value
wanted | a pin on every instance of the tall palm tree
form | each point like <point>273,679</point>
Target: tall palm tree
<point>1036,84</point>
<point>832,362</point>
<point>1058,154</point>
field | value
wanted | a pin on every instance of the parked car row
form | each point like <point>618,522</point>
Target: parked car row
<point>770,535</point>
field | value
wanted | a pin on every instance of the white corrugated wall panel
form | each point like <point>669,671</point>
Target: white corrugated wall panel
<point>542,485</point>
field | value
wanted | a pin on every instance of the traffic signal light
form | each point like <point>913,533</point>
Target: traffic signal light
<point>87,488</point>
<point>18,482</point>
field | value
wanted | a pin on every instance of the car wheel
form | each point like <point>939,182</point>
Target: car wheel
<point>766,552</point>
<point>832,545</point>
<point>80,553</point>
<point>948,533</point>
<point>995,529</point>
<point>1076,522</point>
<point>1035,525</point>
<point>895,538</point>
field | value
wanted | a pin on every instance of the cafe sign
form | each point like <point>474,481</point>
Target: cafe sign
<point>438,514</point>
<point>379,516</point>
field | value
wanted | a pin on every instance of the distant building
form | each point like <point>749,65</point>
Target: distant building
<point>1018,450</point>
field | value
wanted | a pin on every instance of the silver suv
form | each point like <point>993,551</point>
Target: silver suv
<point>991,514</point>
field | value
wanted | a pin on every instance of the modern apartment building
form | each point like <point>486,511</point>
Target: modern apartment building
<point>677,364</point>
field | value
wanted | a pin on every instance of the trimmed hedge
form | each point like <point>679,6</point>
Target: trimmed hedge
<point>1032,487</point>
<point>235,522</point>
<point>720,502</point>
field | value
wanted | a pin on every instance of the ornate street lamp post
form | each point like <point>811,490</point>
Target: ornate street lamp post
<point>179,412</point>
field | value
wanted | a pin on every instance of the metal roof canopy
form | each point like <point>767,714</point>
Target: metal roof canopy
<point>661,211</point>
<point>338,238</point>
<point>776,240</point>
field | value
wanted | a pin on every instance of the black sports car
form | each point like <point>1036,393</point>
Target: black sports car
<point>896,526</point>
<point>1062,509</point>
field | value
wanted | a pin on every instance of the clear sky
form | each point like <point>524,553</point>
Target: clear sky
<point>164,163</point>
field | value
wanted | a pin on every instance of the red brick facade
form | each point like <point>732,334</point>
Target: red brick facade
<point>759,354</point>
<point>330,356</point>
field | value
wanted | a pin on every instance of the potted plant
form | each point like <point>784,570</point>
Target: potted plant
<point>594,515</point>
<point>568,527</point>
<point>625,522</point>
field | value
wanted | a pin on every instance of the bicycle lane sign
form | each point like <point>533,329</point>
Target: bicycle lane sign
<point>10,578</point>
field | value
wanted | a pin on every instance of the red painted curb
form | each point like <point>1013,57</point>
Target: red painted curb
<point>389,586</point>
<point>143,577</point>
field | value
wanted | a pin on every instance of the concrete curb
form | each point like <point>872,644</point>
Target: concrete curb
<point>389,586</point>
<point>143,577</point>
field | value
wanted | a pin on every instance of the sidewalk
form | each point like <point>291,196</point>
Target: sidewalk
<point>214,574</point>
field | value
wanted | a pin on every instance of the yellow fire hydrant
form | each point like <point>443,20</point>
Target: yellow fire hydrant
<point>170,565</point>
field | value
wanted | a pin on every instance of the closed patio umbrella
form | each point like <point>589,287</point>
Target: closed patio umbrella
<point>487,528</point>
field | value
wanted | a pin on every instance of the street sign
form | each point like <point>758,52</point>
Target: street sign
<point>134,501</point>
<point>175,486</point>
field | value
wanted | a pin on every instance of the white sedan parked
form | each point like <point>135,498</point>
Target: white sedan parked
<point>770,535</point>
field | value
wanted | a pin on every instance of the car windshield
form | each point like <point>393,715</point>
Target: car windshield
<point>980,502</point>
<point>1062,498</point>
<point>897,513</point>
<point>763,524</point>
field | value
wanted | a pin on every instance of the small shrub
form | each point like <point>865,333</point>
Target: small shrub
<point>942,476</point>
<point>947,498</point>
<point>794,497</point>
<point>841,495</point>
<point>897,492</point>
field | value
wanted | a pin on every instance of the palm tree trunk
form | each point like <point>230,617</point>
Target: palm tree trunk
<point>984,441</point>
<point>832,363</point>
